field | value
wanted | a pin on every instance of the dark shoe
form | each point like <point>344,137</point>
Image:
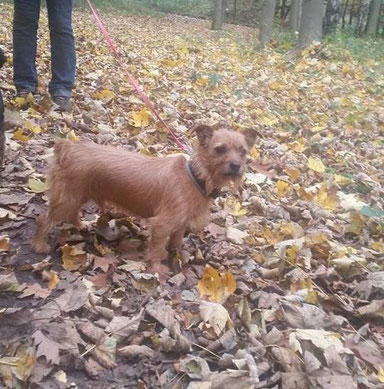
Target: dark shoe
<point>22,92</point>
<point>63,103</point>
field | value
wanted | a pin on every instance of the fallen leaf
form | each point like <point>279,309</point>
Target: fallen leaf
<point>140,118</point>
<point>282,188</point>
<point>215,286</point>
<point>133,350</point>
<point>4,243</point>
<point>35,290</point>
<point>215,315</point>
<point>316,164</point>
<point>74,257</point>
<point>36,186</point>
<point>195,367</point>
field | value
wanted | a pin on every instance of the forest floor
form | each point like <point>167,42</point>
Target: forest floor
<point>293,294</point>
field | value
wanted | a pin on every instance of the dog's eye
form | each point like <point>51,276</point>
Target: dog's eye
<point>242,152</point>
<point>221,149</point>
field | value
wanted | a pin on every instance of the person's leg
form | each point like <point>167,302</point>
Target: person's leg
<point>25,23</point>
<point>63,54</point>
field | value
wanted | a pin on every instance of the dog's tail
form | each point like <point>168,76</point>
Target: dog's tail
<point>62,152</point>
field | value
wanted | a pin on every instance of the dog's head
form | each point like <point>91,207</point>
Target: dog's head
<point>223,153</point>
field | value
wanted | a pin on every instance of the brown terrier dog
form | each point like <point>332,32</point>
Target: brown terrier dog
<point>172,192</point>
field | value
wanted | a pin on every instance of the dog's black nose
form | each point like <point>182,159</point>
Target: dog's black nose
<point>235,166</point>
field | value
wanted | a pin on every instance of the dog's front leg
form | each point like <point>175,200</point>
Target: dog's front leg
<point>176,239</point>
<point>157,252</point>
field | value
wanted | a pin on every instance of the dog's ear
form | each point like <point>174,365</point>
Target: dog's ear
<point>250,137</point>
<point>204,134</point>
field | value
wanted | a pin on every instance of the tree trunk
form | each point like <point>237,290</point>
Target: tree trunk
<point>218,16</point>
<point>282,9</point>
<point>311,25</point>
<point>373,17</point>
<point>332,16</point>
<point>267,14</point>
<point>345,12</point>
<point>294,15</point>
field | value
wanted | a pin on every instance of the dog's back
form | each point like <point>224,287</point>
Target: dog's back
<point>107,174</point>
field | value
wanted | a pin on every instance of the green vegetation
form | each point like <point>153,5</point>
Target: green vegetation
<point>195,8</point>
<point>362,48</point>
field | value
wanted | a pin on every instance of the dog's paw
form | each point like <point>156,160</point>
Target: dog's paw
<point>163,271</point>
<point>41,247</point>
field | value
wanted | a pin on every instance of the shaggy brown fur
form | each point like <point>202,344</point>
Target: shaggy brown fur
<point>161,189</point>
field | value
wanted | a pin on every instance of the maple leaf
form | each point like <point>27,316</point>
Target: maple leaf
<point>140,118</point>
<point>217,287</point>
<point>46,347</point>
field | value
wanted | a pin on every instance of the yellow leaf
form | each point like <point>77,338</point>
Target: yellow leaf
<point>71,135</point>
<point>360,75</point>
<point>312,297</point>
<point>291,254</point>
<point>36,186</point>
<point>19,135</point>
<point>305,194</point>
<point>74,257</point>
<point>172,63</point>
<point>293,173</point>
<point>291,230</point>
<point>380,374</point>
<point>298,146</point>
<point>275,85</point>
<point>101,248</point>
<point>316,129</point>
<point>233,207</point>
<point>215,286</point>
<point>342,180</point>
<point>53,280</point>
<point>34,128</point>
<point>282,188</point>
<point>316,164</point>
<point>202,81</point>
<point>26,364</point>
<point>300,284</point>
<point>254,153</point>
<point>104,94</point>
<point>4,243</point>
<point>23,101</point>
<point>268,121</point>
<point>346,68</point>
<point>378,246</point>
<point>140,118</point>
<point>326,200</point>
<point>356,223</point>
<point>229,283</point>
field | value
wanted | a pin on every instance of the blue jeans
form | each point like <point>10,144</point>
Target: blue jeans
<point>63,56</point>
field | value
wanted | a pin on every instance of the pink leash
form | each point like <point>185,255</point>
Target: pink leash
<point>132,80</point>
